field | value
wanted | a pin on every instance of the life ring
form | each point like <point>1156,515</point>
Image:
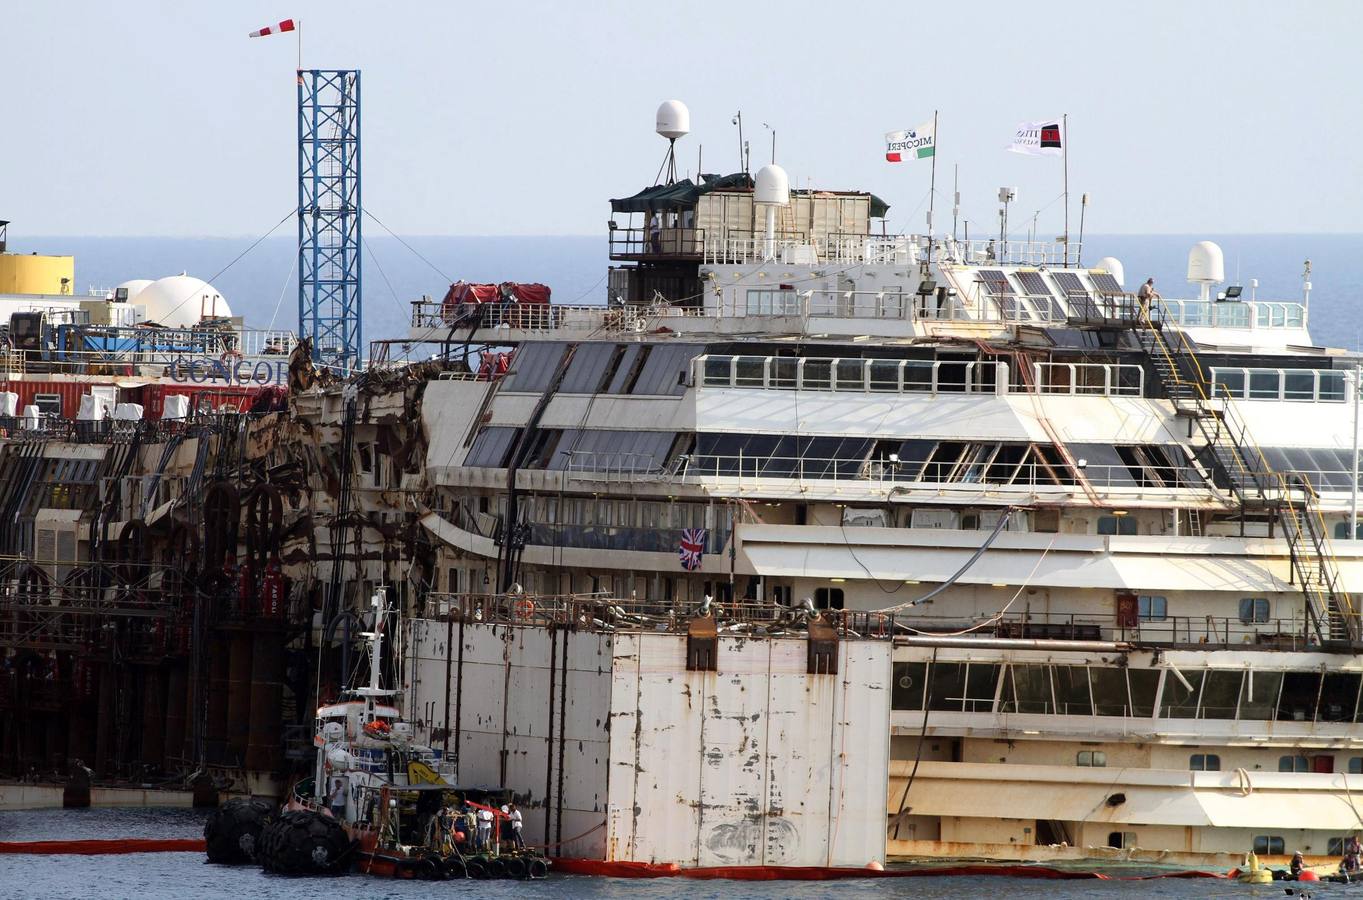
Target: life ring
<point>523,608</point>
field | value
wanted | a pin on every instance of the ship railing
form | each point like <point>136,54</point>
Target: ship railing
<point>1315,385</point>
<point>215,364</point>
<point>1239,314</point>
<point>632,243</point>
<point>613,466</point>
<point>890,376</point>
<point>889,472</point>
<point>1090,379</point>
<point>992,252</point>
<point>440,317</point>
<point>604,611</point>
<point>109,431</point>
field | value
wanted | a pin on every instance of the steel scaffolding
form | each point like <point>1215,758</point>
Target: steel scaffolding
<point>329,216</point>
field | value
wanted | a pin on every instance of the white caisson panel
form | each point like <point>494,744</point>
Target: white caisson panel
<point>756,764</point>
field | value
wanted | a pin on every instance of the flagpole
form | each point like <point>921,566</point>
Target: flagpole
<point>1065,165</point>
<point>298,27</point>
<point>932,185</point>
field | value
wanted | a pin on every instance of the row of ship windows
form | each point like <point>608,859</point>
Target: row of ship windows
<point>739,454</point>
<point>1263,844</point>
<point>1211,762</point>
<point>1154,608</point>
<point>1044,689</point>
<point>790,373</point>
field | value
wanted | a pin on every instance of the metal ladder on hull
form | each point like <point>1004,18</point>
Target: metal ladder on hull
<point>1241,468</point>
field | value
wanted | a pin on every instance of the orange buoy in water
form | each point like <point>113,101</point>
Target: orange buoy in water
<point>1308,875</point>
<point>875,866</point>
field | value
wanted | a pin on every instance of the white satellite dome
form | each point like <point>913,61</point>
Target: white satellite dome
<point>772,186</point>
<point>1206,264</point>
<point>133,287</point>
<point>181,301</point>
<point>673,120</point>
<point>1113,266</point>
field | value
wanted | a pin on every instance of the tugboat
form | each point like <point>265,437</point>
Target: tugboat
<point>378,802</point>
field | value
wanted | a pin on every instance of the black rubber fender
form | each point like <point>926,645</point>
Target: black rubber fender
<point>233,830</point>
<point>454,869</point>
<point>537,867</point>
<point>476,869</point>
<point>515,866</point>
<point>304,842</point>
<point>496,867</point>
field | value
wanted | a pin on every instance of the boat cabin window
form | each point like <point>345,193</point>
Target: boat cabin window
<point>1204,762</point>
<point>1116,525</point>
<point>1268,845</point>
<point>1120,840</point>
<point>1153,608</point>
<point>1294,764</point>
<point>909,681</point>
<point>1355,766</point>
<point>1092,758</point>
<point>1254,610</point>
<point>828,598</point>
<point>1342,531</point>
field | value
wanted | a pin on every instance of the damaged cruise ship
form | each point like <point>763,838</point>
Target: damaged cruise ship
<point>811,545</point>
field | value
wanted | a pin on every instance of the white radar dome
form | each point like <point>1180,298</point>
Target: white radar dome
<point>133,287</point>
<point>674,119</point>
<point>181,301</point>
<point>772,186</point>
<point>1113,266</point>
<point>1206,264</point>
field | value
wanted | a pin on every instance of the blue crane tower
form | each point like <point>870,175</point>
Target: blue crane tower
<point>329,216</point>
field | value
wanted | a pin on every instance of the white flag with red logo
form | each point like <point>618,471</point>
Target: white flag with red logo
<point>286,25</point>
<point>1043,138</point>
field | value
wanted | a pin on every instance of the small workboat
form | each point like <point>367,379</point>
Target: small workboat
<point>380,803</point>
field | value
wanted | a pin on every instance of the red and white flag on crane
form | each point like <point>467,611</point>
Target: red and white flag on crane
<point>286,25</point>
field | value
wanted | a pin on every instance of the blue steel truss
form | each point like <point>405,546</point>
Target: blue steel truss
<point>329,216</point>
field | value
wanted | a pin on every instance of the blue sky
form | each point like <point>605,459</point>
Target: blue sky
<point>150,118</point>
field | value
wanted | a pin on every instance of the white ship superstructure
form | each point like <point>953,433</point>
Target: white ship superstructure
<point>1112,542</point>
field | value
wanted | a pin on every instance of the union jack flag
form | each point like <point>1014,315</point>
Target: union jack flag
<point>692,548</point>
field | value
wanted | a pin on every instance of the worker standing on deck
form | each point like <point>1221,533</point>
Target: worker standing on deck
<point>1147,293</point>
<point>484,829</point>
<point>337,799</point>
<point>516,823</point>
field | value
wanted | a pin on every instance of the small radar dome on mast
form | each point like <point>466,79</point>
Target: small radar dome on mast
<point>772,186</point>
<point>673,120</point>
<point>1206,266</point>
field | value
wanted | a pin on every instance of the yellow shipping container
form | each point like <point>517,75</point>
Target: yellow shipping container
<point>34,274</point>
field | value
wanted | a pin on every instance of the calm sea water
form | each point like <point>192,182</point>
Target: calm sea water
<point>169,876</point>
<point>262,286</point>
